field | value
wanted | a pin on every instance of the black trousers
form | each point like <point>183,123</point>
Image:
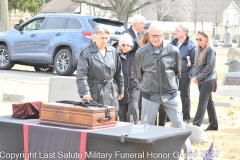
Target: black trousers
<point>162,116</point>
<point>127,109</point>
<point>184,88</point>
<point>206,102</point>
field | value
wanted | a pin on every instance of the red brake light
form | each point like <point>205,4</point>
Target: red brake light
<point>87,34</point>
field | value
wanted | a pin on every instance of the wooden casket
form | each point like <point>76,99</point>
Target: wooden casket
<point>77,116</point>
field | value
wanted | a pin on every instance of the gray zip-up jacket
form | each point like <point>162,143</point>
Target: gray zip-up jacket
<point>159,73</point>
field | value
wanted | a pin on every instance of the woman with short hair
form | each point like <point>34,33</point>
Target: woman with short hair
<point>129,104</point>
<point>99,71</point>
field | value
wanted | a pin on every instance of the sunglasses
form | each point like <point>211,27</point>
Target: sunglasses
<point>199,39</point>
<point>123,45</point>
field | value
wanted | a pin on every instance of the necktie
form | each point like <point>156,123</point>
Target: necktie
<point>138,36</point>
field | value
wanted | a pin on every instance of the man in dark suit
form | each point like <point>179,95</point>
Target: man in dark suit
<point>136,30</point>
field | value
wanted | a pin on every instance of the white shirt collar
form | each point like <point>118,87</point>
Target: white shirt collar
<point>136,33</point>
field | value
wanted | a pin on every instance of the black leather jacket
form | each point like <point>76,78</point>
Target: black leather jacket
<point>207,71</point>
<point>159,73</point>
<point>98,76</point>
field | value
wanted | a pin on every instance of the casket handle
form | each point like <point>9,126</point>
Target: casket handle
<point>102,120</point>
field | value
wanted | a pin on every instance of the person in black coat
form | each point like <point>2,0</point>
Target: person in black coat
<point>99,71</point>
<point>136,31</point>
<point>128,105</point>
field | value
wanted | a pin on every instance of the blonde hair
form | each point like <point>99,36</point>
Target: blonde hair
<point>201,51</point>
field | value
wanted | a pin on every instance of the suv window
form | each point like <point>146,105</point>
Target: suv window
<point>115,27</point>
<point>55,23</point>
<point>34,25</point>
<point>74,23</point>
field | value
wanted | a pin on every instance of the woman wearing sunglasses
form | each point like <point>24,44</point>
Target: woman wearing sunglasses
<point>128,105</point>
<point>205,76</point>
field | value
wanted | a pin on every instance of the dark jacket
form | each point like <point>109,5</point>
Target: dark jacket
<point>207,71</point>
<point>136,42</point>
<point>131,89</point>
<point>100,76</point>
<point>188,48</point>
<point>160,72</point>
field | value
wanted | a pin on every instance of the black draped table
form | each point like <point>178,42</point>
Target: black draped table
<point>28,139</point>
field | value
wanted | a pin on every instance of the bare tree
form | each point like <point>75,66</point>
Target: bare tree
<point>162,9</point>
<point>196,10</point>
<point>218,6</point>
<point>123,8</point>
<point>179,11</point>
<point>4,15</point>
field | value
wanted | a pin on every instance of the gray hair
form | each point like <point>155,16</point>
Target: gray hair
<point>126,37</point>
<point>184,28</point>
<point>100,29</point>
<point>137,18</point>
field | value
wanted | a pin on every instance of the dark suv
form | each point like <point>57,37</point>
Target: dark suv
<point>52,41</point>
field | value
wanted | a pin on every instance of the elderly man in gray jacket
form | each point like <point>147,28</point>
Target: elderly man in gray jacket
<point>159,70</point>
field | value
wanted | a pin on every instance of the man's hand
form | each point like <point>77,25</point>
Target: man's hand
<point>120,96</point>
<point>87,97</point>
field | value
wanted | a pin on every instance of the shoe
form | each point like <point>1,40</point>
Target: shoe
<point>211,128</point>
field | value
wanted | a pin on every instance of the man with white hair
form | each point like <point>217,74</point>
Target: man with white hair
<point>136,30</point>
<point>159,70</point>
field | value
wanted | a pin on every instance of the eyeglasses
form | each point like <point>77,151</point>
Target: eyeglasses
<point>156,36</point>
<point>123,45</point>
<point>199,39</point>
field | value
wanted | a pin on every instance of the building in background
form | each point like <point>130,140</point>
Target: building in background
<point>67,6</point>
<point>216,11</point>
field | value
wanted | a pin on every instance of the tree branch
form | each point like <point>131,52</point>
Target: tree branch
<point>112,2</point>
<point>143,5</point>
<point>111,8</point>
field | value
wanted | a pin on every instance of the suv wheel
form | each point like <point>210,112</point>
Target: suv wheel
<point>44,69</point>
<point>5,62</point>
<point>63,63</point>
